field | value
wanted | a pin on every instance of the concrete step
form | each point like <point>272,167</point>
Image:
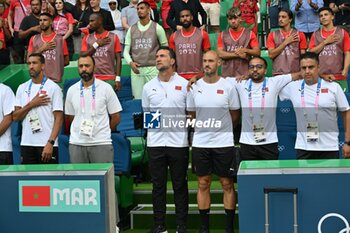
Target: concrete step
<point>141,217</point>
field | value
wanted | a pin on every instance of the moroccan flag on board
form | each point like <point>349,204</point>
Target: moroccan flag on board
<point>36,195</point>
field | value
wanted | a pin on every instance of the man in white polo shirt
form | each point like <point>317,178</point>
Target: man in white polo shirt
<point>39,105</point>
<point>167,147</point>
<point>7,106</point>
<point>93,108</point>
<point>316,103</point>
<point>258,98</point>
<point>214,102</point>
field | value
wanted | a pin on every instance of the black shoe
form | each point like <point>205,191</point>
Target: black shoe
<point>203,229</point>
<point>181,229</point>
<point>158,229</point>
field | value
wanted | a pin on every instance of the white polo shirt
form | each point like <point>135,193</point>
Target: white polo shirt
<point>331,100</point>
<point>106,103</point>
<point>268,119</point>
<point>7,103</point>
<point>44,112</point>
<point>212,103</point>
<point>169,98</point>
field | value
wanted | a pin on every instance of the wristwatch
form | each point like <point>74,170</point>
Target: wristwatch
<point>52,142</point>
<point>347,143</point>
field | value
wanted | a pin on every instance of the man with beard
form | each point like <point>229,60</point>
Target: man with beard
<point>104,46</point>
<point>142,42</point>
<point>39,106</point>
<point>93,108</point>
<point>316,103</point>
<point>169,147</point>
<point>189,43</point>
<point>258,97</point>
<point>332,44</point>
<point>52,46</point>
<point>286,45</point>
<point>30,24</point>
<point>236,45</point>
<point>214,99</point>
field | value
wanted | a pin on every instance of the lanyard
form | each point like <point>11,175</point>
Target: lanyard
<point>40,88</point>
<point>82,100</point>
<point>263,92</point>
<point>303,105</point>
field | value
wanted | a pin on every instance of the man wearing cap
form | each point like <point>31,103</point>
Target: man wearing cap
<point>141,43</point>
<point>236,45</point>
<point>104,46</point>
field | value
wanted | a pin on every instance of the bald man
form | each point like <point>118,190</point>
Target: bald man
<point>214,99</point>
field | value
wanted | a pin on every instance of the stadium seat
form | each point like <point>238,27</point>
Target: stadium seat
<point>125,93</point>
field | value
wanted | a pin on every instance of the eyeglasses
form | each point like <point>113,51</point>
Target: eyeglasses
<point>258,67</point>
<point>112,3</point>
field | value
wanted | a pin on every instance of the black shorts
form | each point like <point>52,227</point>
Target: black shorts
<point>259,152</point>
<point>6,158</point>
<point>218,161</point>
<point>32,155</point>
<point>304,154</point>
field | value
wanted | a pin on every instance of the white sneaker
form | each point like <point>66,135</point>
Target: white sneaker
<point>116,229</point>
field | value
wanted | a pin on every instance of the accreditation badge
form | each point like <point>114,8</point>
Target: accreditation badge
<point>312,132</point>
<point>86,127</point>
<point>259,133</point>
<point>35,123</point>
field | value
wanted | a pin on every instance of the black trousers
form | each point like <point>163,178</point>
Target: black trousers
<point>259,152</point>
<point>304,154</point>
<point>6,158</point>
<point>32,155</point>
<point>160,158</point>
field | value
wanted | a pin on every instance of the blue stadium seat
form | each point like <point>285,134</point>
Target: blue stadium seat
<point>125,93</point>
<point>16,133</point>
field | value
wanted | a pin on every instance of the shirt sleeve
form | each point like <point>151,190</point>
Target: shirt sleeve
<point>270,44</point>
<point>145,100</point>
<point>172,41</point>
<point>113,104</point>
<point>161,36</point>
<point>190,101</point>
<point>303,41</point>
<point>84,45</point>
<point>57,99</point>
<point>281,80</point>
<point>68,106</point>
<point>65,48</point>
<point>220,44</point>
<point>234,99</point>
<point>30,45</point>
<point>70,18</point>
<point>285,92</point>
<point>127,47</point>
<point>312,41</point>
<point>19,93</point>
<point>8,101</point>
<point>253,40</point>
<point>117,48</point>
<point>342,102</point>
<point>206,41</point>
<point>24,24</point>
<point>346,42</point>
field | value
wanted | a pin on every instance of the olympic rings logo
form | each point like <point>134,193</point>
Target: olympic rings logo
<point>344,230</point>
<point>281,148</point>
<point>285,110</point>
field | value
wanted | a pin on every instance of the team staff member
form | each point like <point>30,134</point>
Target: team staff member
<point>52,46</point>
<point>333,46</point>
<point>258,97</point>
<point>104,46</point>
<point>7,103</point>
<point>316,103</point>
<point>214,99</point>
<point>236,45</point>
<point>169,147</point>
<point>189,43</point>
<point>39,105</point>
<point>141,42</point>
<point>286,45</point>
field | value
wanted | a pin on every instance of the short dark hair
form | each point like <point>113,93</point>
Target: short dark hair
<point>86,55</point>
<point>171,52</point>
<point>98,15</point>
<point>309,55</point>
<point>325,8</point>
<point>289,13</point>
<point>39,55</point>
<point>40,2</point>
<point>145,3</point>
<point>260,58</point>
<point>46,14</point>
<point>233,12</point>
<point>186,9</point>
